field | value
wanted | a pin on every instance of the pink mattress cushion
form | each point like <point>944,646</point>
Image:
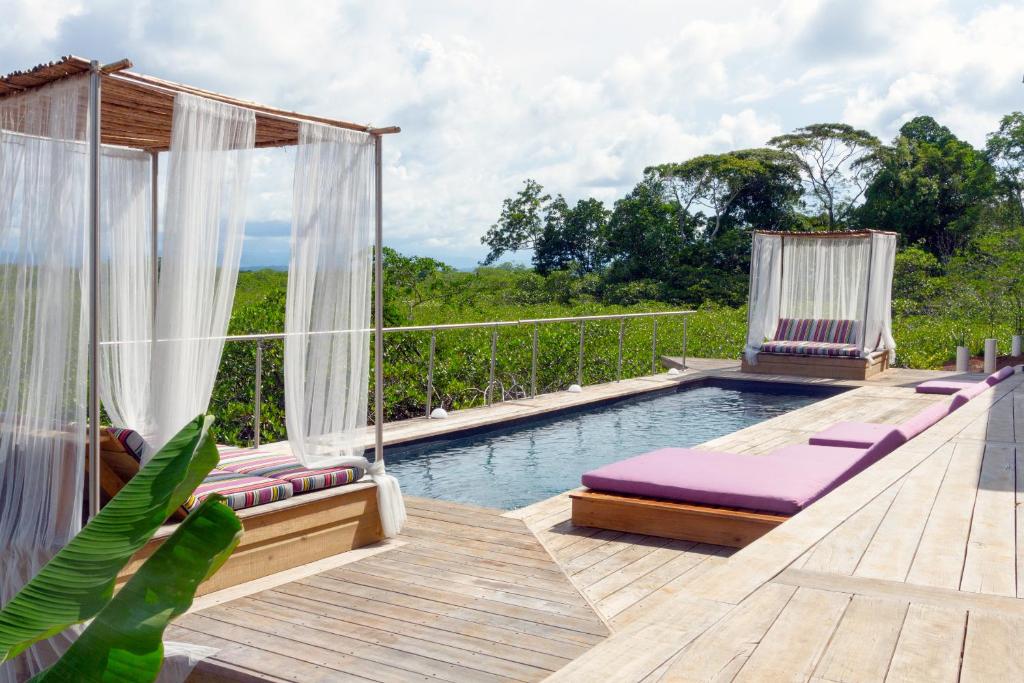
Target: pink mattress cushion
<point>998,376</point>
<point>913,426</point>
<point>784,482</point>
<point>941,386</point>
<point>851,435</point>
<point>976,389</point>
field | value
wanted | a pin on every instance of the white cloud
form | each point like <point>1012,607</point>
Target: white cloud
<point>581,98</point>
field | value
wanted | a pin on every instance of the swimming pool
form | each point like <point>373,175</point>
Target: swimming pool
<point>520,464</point>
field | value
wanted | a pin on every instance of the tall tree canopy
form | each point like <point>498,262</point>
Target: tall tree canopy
<point>1006,151</point>
<point>931,187</point>
<point>572,238</point>
<point>835,162</point>
<point>520,224</point>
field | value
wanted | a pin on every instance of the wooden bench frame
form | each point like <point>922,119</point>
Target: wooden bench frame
<point>669,519</point>
<point>277,536</point>
<point>832,367</point>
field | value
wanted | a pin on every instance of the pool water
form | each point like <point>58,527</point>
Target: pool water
<point>521,464</point>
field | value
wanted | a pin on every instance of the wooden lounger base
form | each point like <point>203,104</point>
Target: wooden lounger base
<point>288,533</point>
<point>818,366</point>
<point>667,519</point>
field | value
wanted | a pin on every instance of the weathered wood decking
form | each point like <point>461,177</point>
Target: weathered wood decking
<point>910,571</point>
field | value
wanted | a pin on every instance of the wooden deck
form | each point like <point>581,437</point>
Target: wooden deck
<point>910,571</point>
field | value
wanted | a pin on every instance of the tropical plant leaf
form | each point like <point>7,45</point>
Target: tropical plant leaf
<point>79,580</point>
<point>125,640</point>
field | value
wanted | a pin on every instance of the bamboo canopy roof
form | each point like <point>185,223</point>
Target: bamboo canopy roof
<point>825,234</point>
<point>136,110</point>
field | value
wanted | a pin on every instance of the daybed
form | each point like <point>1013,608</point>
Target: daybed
<point>731,499</point>
<point>292,515</point>
<point>820,304</point>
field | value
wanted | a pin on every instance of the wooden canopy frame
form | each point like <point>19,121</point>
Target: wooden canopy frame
<point>136,109</point>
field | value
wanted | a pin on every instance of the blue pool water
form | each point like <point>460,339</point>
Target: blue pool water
<point>521,464</point>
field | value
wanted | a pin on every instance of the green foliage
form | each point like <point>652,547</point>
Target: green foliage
<point>836,163</point>
<point>1005,150</point>
<point>78,582</point>
<point>930,187</point>
<point>520,224</point>
<point>125,640</point>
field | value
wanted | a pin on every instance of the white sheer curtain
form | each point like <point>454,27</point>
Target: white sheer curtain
<point>43,367</point>
<point>329,288</point>
<point>824,278</point>
<point>126,288</point>
<point>765,290</point>
<point>204,220</point>
<point>878,325</point>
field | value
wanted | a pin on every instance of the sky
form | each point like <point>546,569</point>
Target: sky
<point>580,96</point>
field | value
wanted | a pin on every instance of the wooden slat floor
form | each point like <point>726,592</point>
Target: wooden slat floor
<point>469,596</point>
<point>910,571</point>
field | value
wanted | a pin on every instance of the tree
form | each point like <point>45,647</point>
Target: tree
<point>642,232</point>
<point>520,224</point>
<point>572,238</point>
<point>834,160</point>
<point>930,187</point>
<point>712,183</point>
<point>770,200</point>
<point>1006,152</point>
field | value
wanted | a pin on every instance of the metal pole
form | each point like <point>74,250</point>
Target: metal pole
<point>257,395</point>
<point>494,352</point>
<point>622,331</point>
<point>154,258</point>
<point>654,348</point>
<point>94,287</point>
<point>579,363</point>
<point>686,320</point>
<point>378,305</point>
<point>533,364</point>
<point>430,371</point>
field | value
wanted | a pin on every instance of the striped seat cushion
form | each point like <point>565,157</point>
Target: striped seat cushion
<point>813,330</point>
<point>239,490</point>
<point>131,441</point>
<point>285,467</point>
<point>808,348</point>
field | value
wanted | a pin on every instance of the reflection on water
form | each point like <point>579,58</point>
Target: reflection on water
<point>519,465</point>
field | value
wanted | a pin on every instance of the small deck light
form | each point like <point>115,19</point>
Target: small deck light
<point>438,414</point>
<point>673,371</point>
<point>574,389</point>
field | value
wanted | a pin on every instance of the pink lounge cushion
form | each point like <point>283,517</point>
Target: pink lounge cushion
<point>941,386</point>
<point>929,416</point>
<point>976,389</point>
<point>998,376</point>
<point>851,435</point>
<point>784,482</point>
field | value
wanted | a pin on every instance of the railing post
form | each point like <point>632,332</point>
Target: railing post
<point>579,364</point>
<point>430,371</point>
<point>494,353</point>
<point>533,364</point>
<point>257,395</point>
<point>686,320</point>
<point>622,331</point>
<point>654,348</point>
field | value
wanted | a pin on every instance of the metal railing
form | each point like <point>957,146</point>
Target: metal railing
<point>494,326</point>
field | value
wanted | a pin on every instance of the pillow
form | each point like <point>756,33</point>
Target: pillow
<point>131,441</point>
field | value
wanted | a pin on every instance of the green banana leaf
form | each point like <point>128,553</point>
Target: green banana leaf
<point>125,640</point>
<point>79,580</point>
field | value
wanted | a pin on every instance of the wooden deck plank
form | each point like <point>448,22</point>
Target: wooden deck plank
<point>842,550</point>
<point>929,645</point>
<point>991,562</point>
<point>797,638</point>
<point>863,644</point>
<point>992,649</point>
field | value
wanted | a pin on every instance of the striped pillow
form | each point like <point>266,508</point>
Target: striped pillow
<point>131,441</point>
<point>240,491</point>
<point>286,467</point>
<point>815,330</point>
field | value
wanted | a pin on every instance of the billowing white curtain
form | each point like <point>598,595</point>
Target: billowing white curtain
<point>204,221</point>
<point>126,288</point>
<point>43,336</point>
<point>765,290</point>
<point>878,323</point>
<point>822,277</point>
<point>326,372</point>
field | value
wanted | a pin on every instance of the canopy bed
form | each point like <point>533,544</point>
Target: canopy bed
<point>820,304</point>
<point>105,304</point>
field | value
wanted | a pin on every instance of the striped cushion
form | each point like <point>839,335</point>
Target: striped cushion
<point>808,348</point>
<point>813,330</point>
<point>239,490</point>
<point>286,467</point>
<point>130,440</point>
